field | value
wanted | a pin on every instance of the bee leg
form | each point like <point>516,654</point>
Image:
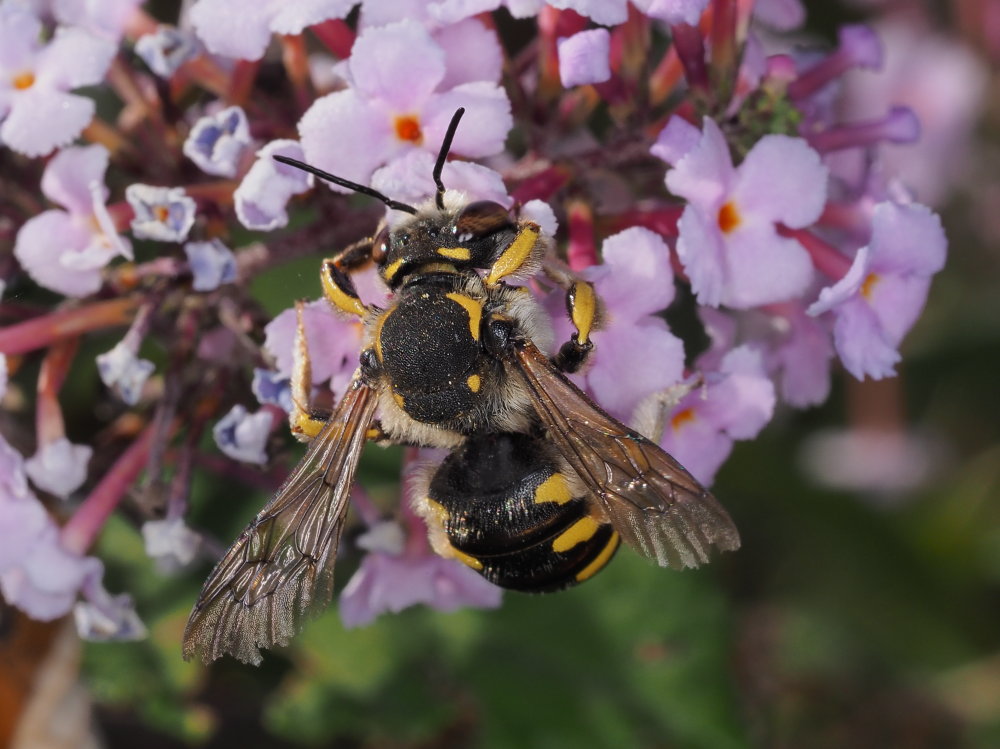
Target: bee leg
<point>338,288</point>
<point>304,420</point>
<point>582,307</point>
<point>517,254</point>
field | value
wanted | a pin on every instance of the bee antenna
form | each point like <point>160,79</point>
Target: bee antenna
<point>443,154</point>
<point>395,204</point>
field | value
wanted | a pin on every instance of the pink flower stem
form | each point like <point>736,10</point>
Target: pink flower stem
<point>48,414</point>
<point>900,125</point>
<point>219,192</point>
<point>582,250</point>
<point>139,23</point>
<point>690,48</point>
<point>296,62</point>
<point>828,259</point>
<point>336,36</point>
<point>543,185</point>
<point>661,219</point>
<point>204,72</point>
<point>724,48</point>
<point>665,78</point>
<point>82,529</point>
<point>241,82</point>
<point>74,321</point>
<point>107,135</point>
<point>853,217</point>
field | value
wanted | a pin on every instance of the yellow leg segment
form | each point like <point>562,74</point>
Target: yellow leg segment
<point>516,255</point>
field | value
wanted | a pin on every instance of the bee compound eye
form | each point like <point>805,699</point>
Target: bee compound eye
<point>480,219</point>
<point>380,245</point>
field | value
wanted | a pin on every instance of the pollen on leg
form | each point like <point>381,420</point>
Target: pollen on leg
<point>729,217</point>
<point>408,129</point>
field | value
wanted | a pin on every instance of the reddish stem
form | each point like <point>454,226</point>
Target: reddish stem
<point>83,528</point>
<point>828,259</point>
<point>542,186</point>
<point>582,250</point>
<point>42,331</point>
<point>724,48</point>
<point>336,36</point>
<point>241,82</point>
<point>690,48</point>
<point>48,415</point>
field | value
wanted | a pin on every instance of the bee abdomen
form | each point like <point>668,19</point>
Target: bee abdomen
<point>509,513</point>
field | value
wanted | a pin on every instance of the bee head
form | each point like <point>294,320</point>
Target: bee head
<point>471,236</point>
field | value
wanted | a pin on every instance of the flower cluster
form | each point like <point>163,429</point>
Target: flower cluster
<point>683,160</point>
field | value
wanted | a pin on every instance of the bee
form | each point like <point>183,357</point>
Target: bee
<point>541,485</point>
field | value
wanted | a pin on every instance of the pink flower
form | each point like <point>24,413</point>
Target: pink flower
<point>217,141</point>
<point>735,404</point>
<point>635,354</point>
<point>390,581</point>
<point>729,243</point>
<point>395,105</point>
<point>673,11</point>
<point>106,18</point>
<point>943,83</point>
<point>583,58</point>
<point>242,435</point>
<point>65,250</point>
<point>37,111</point>
<point>59,467</point>
<point>334,344</point>
<point>38,573</point>
<point>410,179</point>
<point>876,303</point>
<point>240,29</point>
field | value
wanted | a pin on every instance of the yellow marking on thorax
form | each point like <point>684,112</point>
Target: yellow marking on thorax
<point>474,382</point>
<point>602,559</point>
<point>582,530</point>
<point>343,301</point>
<point>399,400</point>
<point>514,256</point>
<point>584,303</point>
<point>392,269</point>
<point>553,489</point>
<point>442,546</point>
<point>455,253</point>
<point>378,332</point>
<point>473,307</point>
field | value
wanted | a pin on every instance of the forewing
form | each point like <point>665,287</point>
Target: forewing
<point>281,566</point>
<point>657,506</point>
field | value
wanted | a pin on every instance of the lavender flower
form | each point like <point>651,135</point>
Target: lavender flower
<point>65,250</point>
<point>217,141</point>
<point>167,49</point>
<point>212,264</point>
<point>267,187</point>
<point>37,111</point>
<point>59,467</point>
<point>237,29</point>
<point>165,214</point>
<point>124,372</point>
<point>583,58</point>
<point>242,435</point>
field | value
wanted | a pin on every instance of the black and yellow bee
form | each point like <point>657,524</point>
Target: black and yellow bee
<point>541,484</point>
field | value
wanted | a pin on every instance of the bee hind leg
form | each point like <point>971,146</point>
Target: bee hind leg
<point>305,421</point>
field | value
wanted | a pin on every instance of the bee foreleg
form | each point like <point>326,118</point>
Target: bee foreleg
<point>338,288</point>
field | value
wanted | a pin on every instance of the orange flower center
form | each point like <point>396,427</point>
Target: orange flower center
<point>162,213</point>
<point>408,129</point>
<point>869,285</point>
<point>24,80</point>
<point>681,418</point>
<point>729,217</point>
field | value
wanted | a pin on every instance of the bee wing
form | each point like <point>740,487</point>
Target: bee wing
<point>657,506</point>
<point>281,566</point>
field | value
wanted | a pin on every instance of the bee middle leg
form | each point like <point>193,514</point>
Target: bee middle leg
<point>305,421</point>
<point>583,308</point>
